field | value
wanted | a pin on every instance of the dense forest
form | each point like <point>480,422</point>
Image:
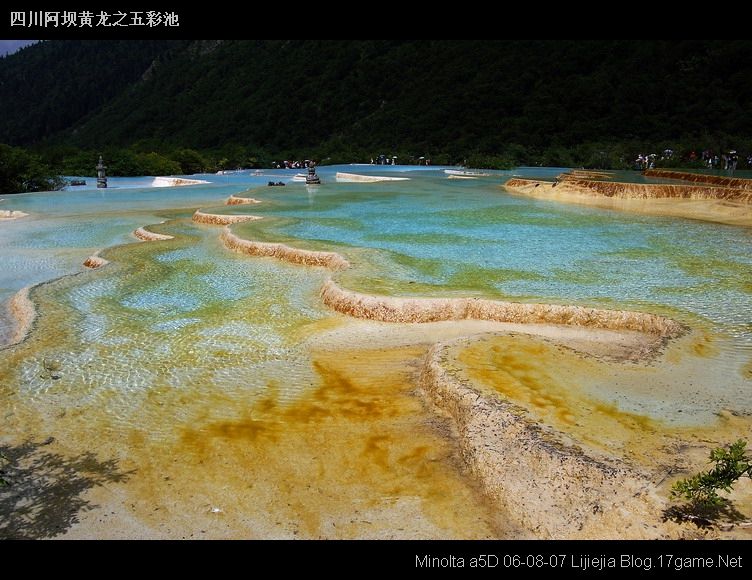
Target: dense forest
<point>180,105</point>
<point>53,86</point>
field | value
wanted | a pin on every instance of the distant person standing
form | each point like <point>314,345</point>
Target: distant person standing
<point>733,159</point>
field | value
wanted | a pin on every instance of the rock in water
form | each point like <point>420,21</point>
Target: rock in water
<point>52,365</point>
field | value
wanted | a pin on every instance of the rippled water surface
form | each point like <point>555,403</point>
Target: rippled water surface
<point>429,235</point>
<point>183,341</point>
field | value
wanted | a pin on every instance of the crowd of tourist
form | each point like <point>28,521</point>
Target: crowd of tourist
<point>726,161</point>
<point>291,164</point>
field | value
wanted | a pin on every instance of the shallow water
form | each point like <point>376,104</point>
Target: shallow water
<point>182,349</point>
<point>438,236</point>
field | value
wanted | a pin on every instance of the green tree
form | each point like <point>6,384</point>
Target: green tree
<point>21,171</point>
<point>730,464</point>
<point>190,161</point>
<point>128,163</point>
<point>156,164</point>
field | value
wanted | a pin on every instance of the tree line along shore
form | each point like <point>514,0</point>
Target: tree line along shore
<point>39,168</point>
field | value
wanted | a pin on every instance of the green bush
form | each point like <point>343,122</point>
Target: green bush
<point>479,161</point>
<point>731,464</point>
<point>128,163</point>
<point>189,161</point>
<point>21,171</point>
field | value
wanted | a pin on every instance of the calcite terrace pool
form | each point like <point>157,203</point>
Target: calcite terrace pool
<point>398,359</point>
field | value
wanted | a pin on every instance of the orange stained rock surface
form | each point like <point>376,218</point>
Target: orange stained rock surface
<point>644,190</point>
<point>95,262</point>
<point>707,202</point>
<point>701,178</point>
<point>555,385</point>
<point>221,219</point>
<point>358,456</point>
<point>236,200</point>
<point>393,309</point>
<point>147,236</point>
<point>331,260</point>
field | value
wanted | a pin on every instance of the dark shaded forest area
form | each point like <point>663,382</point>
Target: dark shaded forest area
<point>184,106</point>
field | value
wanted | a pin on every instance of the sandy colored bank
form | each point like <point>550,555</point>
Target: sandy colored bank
<point>701,202</point>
